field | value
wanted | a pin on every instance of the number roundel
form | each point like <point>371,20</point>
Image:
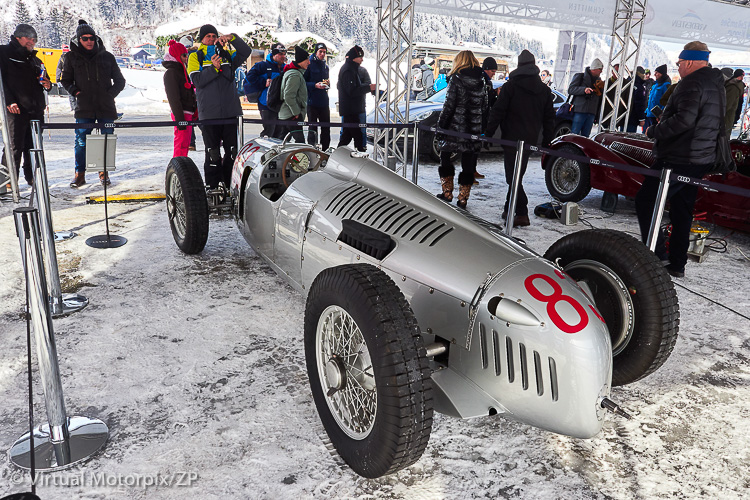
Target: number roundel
<point>553,299</point>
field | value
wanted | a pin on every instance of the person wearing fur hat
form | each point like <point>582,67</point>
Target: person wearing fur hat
<point>586,91</point>
<point>23,89</point>
<point>91,74</point>
<point>352,92</point>
<point>659,87</point>
<point>294,93</point>
<point>180,94</point>
<point>318,82</point>
<point>211,69</point>
<point>523,111</point>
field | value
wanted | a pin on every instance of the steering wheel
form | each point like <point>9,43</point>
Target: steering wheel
<point>299,162</point>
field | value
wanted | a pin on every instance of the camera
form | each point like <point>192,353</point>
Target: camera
<point>222,52</point>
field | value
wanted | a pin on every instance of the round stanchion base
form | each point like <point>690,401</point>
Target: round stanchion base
<point>64,235</point>
<point>71,302</point>
<point>104,241</point>
<point>87,436</point>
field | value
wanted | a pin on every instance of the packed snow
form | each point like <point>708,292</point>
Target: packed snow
<point>196,363</point>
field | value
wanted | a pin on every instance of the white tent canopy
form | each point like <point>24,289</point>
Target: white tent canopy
<point>717,23</point>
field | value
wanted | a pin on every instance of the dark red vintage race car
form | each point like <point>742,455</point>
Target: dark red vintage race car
<point>570,180</point>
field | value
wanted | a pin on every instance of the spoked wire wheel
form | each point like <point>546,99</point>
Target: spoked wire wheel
<point>187,207</point>
<point>346,373</point>
<point>566,179</point>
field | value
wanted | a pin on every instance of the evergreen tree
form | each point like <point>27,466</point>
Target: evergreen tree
<point>22,14</point>
<point>297,24</point>
<point>55,40</point>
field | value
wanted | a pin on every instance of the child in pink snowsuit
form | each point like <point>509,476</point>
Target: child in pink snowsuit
<point>180,94</point>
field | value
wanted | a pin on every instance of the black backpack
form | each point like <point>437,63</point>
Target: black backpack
<point>274,98</point>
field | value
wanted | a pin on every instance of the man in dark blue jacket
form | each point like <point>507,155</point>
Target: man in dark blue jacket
<point>258,79</point>
<point>352,94</point>
<point>318,84</point>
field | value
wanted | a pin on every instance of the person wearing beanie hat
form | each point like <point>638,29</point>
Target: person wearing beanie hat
<point>489,63</point>
<point>655,94</point>
<point>23,89</point>
<point>95,97</point>
<point>523,111</point>
<point>428,79</point>
<point>187,41</point>
<point>294,93</point>
<point>211,69</point>
<point>638,101</point>
<point>735,89</point>
<point>258,80</point>
<point>317,78</point>
<point>352,92</point>
<point>180,95</point>
<point>685,141</point>
<point>586,91</point>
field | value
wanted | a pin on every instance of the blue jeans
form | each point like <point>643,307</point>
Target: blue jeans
<point>363,119</point>
<point>80,144</point>
<point>582,123</point>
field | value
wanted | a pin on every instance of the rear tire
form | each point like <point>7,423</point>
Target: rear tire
<point>368,371</point>
<point>632,291</point>
<point>563,128</point>
<point>186,205</point>
<point>434,148</point>
<point>567,180</point>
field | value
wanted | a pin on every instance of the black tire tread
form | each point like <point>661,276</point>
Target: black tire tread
<point>196,206</point>
<point>657,313</point>
<point>405,405</point>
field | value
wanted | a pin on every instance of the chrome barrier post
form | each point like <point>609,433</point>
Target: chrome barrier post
<point>36,134</point>
<point>63,441</point>
<point>106,240</point>
<point>514,189</point>
<point>9,163</point>
<point>661,201</point>
<point>415,156</point>
<point>240,132</point>
<point>60,304</point>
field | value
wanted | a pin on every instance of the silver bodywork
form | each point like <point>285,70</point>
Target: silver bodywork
<point>497,304</point>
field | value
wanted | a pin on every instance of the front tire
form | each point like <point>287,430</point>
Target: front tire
<point>632,291</point>
<point>567,180</point>
<point>186,205</point>
<point>368,371</point>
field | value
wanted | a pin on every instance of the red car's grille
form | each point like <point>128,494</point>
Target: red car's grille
<point>643,156</point>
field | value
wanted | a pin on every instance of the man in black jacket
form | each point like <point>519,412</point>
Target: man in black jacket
<point>352,94</point>
<point>318,83</point>
<point>524,112</point>
<point>91,74</point>
<point>24,82</point>
<point>685,140</point>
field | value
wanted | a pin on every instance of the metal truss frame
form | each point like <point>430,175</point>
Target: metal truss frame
<point>394,41</point>
<point>627,35</point>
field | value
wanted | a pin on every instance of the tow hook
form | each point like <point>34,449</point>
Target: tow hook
<point>610,405</point>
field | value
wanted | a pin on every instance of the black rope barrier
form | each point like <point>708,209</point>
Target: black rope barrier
<point>676,177</point>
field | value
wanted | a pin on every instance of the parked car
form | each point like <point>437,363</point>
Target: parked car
<point>428,112</point>
<point>570,180</point>
<point>124,62</point>
<point>393,331</point>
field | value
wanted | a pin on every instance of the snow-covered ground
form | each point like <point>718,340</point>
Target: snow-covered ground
<point>196,364</point>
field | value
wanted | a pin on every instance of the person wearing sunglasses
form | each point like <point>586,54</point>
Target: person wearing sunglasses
<point>24,83</point>
<point>685,139</point>
<point>91,74</point>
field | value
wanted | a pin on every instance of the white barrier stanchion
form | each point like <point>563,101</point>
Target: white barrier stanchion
<point>661,201</point>
<point>415,155</point>
<point>63,441</point>
<point>514,189</point>
<point>240,133</point>
<point>69,302</point>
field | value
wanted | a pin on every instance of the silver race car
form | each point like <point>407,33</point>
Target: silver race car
<point>415,306</point>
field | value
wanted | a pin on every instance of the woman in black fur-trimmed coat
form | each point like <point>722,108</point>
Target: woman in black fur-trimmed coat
<point>465,111</point>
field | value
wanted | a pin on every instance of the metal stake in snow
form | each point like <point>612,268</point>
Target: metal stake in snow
<point>61,304</point>
<point>514,189</point>
<point>63,441</point>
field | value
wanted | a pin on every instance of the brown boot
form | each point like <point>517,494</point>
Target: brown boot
<point>79,180</point>
<point>477,175</point>
<point>463,195</point>
<point>521,221</point>
<point>447,185</point>
<point>104,178</point>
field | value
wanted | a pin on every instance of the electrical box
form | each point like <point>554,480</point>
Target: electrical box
<point>95,147</point>
<point>569,215</point>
